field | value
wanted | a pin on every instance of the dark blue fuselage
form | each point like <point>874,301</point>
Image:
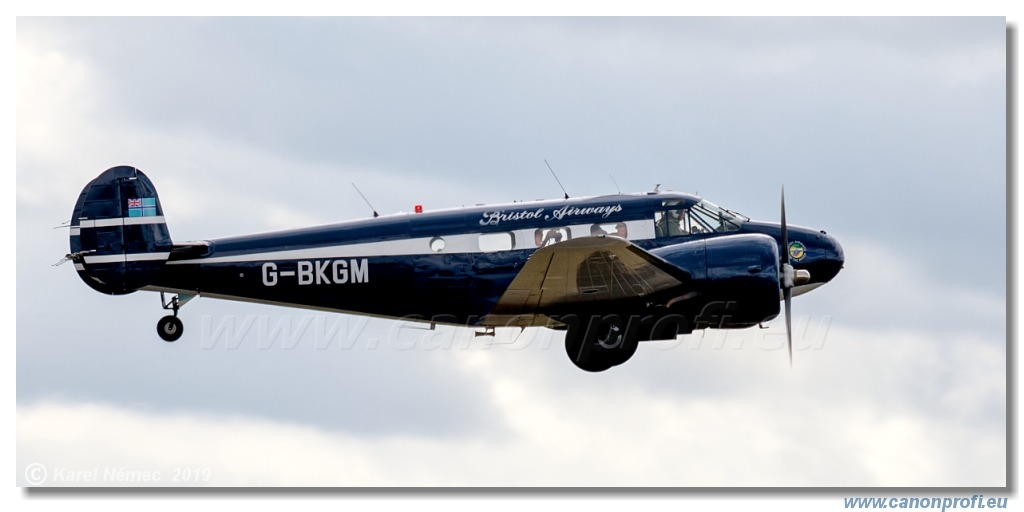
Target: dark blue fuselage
<point>457,266</point>
<point>611,271</point>
<point>435,266</point>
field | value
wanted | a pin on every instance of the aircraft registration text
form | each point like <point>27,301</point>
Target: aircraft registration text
<point>319,272</point>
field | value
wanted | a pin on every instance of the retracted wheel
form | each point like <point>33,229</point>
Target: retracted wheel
<point>169,328</point>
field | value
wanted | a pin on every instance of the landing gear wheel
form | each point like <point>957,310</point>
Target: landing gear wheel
<point>588,361</point>
<point>599,343</point>
<point>169,328</point>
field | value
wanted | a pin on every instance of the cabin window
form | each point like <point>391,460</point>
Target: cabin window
<point>493,242</point>
<point>545,237</point>
<point>437,244</point>
<point>613,228</point>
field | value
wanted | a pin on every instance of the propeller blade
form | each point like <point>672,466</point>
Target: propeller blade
<point>787,283</point>
<point>788,293</point>
<point>785,233</point>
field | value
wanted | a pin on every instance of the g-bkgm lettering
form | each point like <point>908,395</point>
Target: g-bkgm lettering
<point>315,272</point>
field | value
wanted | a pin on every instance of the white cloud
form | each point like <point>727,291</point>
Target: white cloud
<point>914,397</point>
<point>55,100</point>
<point>65,139</point>
<point>889,286</point>
<point>826,423</point>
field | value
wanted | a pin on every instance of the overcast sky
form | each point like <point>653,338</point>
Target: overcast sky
<point>887,133</point>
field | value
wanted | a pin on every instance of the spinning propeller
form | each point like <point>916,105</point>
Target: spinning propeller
<point>788,278</point>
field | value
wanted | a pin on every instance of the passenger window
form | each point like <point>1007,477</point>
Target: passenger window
<point>545,237</point>
<point>613,228</point>
<point>437,244</point>
<point>492,242</point>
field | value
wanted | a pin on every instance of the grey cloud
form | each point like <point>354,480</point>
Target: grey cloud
<point>888,133</point>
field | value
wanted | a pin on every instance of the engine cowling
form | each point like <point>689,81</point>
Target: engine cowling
<point>736,279</point>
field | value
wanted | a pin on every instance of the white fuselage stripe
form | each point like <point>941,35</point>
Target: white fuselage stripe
<point>453,244</point>
<point>120,258</point>
<point>119,221</point>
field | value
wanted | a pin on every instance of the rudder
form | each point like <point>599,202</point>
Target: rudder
<point>119,239</point>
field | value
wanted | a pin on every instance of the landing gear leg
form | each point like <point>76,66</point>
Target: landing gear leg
<point>170,327</point>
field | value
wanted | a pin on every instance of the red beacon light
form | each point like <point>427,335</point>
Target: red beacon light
<point>419,208</point>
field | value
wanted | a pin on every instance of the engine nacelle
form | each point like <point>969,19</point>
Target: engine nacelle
<point>736,279</point>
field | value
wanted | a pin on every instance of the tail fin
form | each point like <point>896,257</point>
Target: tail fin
<point>119,240</point>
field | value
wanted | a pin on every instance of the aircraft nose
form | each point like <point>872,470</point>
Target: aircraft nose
<point>834,260</point>
<point>840,255</point>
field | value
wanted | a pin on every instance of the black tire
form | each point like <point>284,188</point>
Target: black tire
<point>169,328</point>
<point>588,361</point>
<point>607,346</point>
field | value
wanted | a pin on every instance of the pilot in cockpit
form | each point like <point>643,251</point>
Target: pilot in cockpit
<point>668,225</point>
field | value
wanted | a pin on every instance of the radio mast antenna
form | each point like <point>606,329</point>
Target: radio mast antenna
<point>616,183</point>
<point>556,178</point>
<point>375,215</point>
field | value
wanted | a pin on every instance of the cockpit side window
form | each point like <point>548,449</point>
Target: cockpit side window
<point>670,223</point>
<point>678,219</point>
<point>716,218</point>
<point>672,220</point>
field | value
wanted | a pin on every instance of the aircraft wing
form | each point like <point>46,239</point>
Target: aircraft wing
<point>582,271</point>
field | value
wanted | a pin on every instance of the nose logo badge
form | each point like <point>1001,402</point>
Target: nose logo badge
<point>797,251</point>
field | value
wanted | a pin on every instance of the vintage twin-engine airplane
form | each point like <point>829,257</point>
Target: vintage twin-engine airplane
<point>611,271</point>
